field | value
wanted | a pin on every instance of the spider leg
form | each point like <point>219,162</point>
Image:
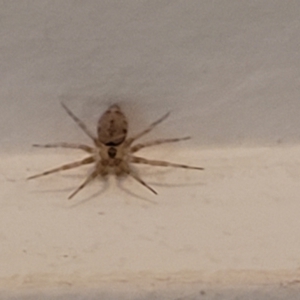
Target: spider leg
<point>141,160</point>
<point>147,130</point>
<point>66,145</point>
<point>137,178</point>
<point>138,147</point>
<point>76,164</point>
<point>80,123</point>
<point>92,176</point>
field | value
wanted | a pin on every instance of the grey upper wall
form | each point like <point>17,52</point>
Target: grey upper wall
<point>228,70</point>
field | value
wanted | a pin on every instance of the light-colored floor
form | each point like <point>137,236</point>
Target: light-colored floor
<point>239,216</point>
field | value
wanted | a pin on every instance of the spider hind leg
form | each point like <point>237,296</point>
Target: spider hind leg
<point>159,163</point>
<point>91,177</point>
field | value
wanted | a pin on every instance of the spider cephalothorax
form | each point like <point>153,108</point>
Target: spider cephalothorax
<point>112,151</point>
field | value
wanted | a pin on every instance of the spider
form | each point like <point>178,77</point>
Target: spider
<point>112,151</point>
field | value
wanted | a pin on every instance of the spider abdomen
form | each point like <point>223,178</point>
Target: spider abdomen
<point>112,127</point>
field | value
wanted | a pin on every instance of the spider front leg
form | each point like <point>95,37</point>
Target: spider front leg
<point>138,179</point>
<point>73,165</point>
<point>147,130</point>
<point>159,163</point>
<point>66,145</point>
<point>80,124</point>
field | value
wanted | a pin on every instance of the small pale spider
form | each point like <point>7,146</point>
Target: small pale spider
<point>112,152</point>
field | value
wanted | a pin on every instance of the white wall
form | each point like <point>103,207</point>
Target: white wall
<point>228,70</point>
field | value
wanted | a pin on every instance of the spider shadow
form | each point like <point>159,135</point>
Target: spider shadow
<point>172,185</point>
<point>104,186</point>
<point>119,183</point>
<point>98,193</point>
<point>68,190</point>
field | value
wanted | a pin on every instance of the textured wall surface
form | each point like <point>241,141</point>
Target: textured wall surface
<point>228,71</point>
